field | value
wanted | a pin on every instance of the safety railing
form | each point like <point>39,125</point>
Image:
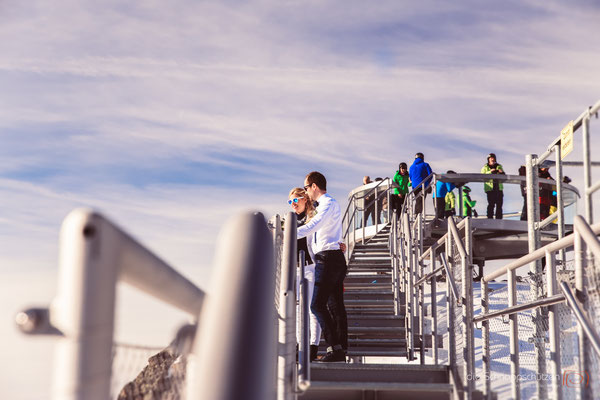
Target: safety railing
<point>95,254</point>
<point>551,299</point>
<point>366,201</point>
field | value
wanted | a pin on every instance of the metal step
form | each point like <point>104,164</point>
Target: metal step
<point>362,294</point>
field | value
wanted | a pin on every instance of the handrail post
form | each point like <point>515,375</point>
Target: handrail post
<point>580,259</point>
<point>554,328</point>
<point>434,341</point>
<point>237,340</point>
<point>467,297</point>
<point>376,216</point>
<point>421,294</point>
<point>94,254</point>
<point>409,250</point>
<point>514,336</point>
<point>287,310</point>
<point>587,170</point>
<point>303,381</point>
<point>559,202</point>
<point>485,325</point>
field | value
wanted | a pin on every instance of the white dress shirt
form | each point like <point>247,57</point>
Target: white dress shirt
<point>324,230</point>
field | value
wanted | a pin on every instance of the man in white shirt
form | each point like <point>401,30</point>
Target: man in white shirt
<point>324,232</point>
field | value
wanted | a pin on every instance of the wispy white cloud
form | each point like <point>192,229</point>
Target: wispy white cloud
<point>171,117</point>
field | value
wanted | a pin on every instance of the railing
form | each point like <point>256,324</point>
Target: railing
<point>94,255</point>
<point>417,268</point>
<point>380,191</point>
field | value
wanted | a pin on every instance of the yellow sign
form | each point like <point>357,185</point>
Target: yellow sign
<point>566,140</point>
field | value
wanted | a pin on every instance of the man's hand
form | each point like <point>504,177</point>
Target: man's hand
<point>343,247</point>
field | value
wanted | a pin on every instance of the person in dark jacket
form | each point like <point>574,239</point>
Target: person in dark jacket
<point>419,170</point>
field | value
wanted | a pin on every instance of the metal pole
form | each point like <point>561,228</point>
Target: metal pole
<point>554,328</point>
<point>237,342</point>
<point>559,203</point>
<point>535,266</point>
<point>485,325</point>
<point>364,222</point>
<point>409,249</point>
<point>376,216</point>
<point>434,341</point>
<point>468,324</point>
<point>579,250</point>
<point>514,337</point>
<point>389,199</point>
<point>421,300</point>
<point>303,381</point>
<point>587,170</point>
<point>452,357</point>
<point>287,310</point>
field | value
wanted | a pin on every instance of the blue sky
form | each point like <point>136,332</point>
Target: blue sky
<point>170,118</point>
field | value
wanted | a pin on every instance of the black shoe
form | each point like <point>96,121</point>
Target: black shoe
<point>334,356</point>
<point>314,350</point>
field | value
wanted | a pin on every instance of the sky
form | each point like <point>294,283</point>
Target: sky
<point>170,118</point>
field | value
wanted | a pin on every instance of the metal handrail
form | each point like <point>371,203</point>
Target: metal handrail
<point>450,277</point>
<point>585,324</point>
<point>563,243</point>
<point>303,382</point>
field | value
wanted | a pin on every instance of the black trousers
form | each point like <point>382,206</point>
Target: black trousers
<point>495,199</point>
<point>440,207</point>
<point>328,297</point>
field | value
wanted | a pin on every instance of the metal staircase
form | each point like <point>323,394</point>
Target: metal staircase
<point>375,330</point>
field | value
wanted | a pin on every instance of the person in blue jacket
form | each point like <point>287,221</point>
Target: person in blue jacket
<point>419,170</point>
<point>441,189</point>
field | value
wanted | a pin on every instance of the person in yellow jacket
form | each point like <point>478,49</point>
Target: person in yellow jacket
<point>493,188</point>
<point>450,204</point>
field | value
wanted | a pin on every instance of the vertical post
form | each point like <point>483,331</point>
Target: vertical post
<point>580,259</point>
<point>485,308</point>
<point>236,341</point>
<point>554,328</point>
<point>84,309</point>
<point>468,325</point>
<point>303,380</point>
<point>421,300</point>
<point>535,267</point>
<point>287,311</point>
<point>376,216</point>
<point>560,203</point>
<point>452,357</point>
<point>395,264</point>
<point>389,199</point>
<point>364,222</point>
<point>434,342</point>
<point>514,337</point>
<point>587,169</point>
<point>461,212</point>
<point>409,250</point>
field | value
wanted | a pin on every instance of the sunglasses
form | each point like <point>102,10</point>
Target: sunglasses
<point>307,186</point>
<point>294,200</point>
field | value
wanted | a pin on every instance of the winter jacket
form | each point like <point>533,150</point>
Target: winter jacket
<point>403,183</point>
<point>418,171</point>
<point>441,188</point>
<point>450,201</point>
<point>489,185</point>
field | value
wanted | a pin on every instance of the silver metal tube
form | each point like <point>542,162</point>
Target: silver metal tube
<point>559,202</point>
<point>364,222</point>
<point>456,238</point>
<point>485,328</point>
<point>410,295</point>
<point>422,312</point>
<point>95,254</point>
<point>579,250</point>
<point>304,353</point>
<point>237,342</point>
<point>591,240</point>
<point>587,327</point>
<point>592,189</point>
<point>545,301</point>
<point>287,310</point>
<point>434,341</point>
<point>587,170</point>
<point>467,297</point>
<point>547,221</point>
<point>553,328</point>
<point>514,337</point>
<point>376,216</point>
<point>450,278</point>
<point>526,259</point>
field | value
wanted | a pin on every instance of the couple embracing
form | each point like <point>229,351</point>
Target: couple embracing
<point>320,235</point>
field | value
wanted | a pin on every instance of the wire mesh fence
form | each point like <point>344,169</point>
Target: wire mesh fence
<point>141,372</point>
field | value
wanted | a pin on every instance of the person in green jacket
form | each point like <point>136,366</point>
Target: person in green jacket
<point>399,193</point>
<point>493,188</point>
<point>468,204</point>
